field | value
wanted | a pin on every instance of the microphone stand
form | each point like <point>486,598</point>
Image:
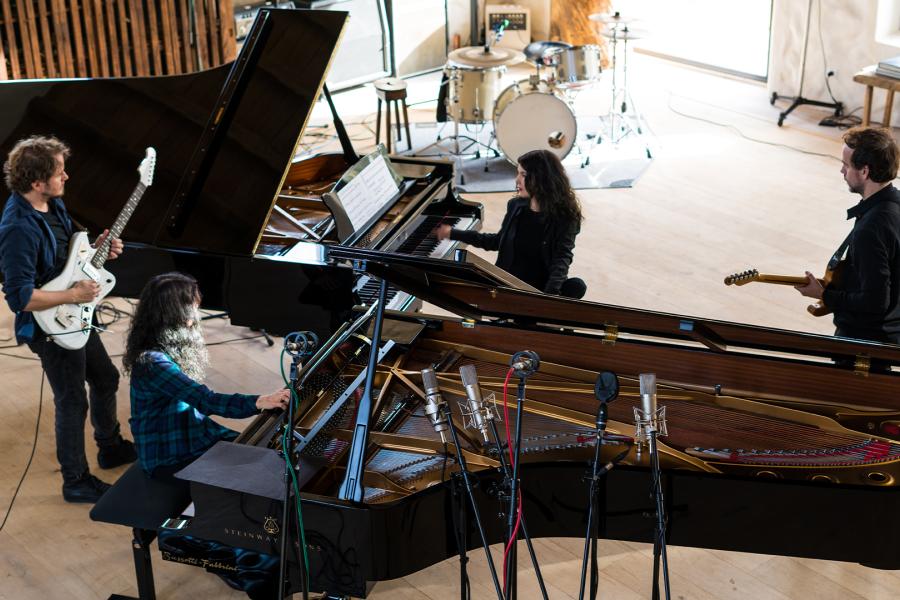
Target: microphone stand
<point>592,533</point>
<point>525,364</point>
<point>507,477</point>
<point>606,390</point>
<point>659,542</point>
<point>464,474</point>
<point>308,341</point>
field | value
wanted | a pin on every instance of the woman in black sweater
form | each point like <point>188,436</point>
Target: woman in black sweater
<point>537,236</point>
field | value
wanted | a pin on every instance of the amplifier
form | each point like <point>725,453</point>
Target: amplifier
<point>517,33</point>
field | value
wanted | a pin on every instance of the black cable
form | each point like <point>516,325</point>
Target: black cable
<point>239,339</point>
<point>37,427</point>
<point>828,71</point>
<point>741,133</point>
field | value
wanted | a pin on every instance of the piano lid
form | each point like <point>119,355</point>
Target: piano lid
<point>474,289</point>
<point>225,137</point>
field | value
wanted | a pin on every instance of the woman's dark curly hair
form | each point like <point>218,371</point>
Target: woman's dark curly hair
<point>32,159</point>
<point>167,302</point>
<point>547,182</point>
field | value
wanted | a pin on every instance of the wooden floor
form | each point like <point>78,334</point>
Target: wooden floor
<point>712,202</point>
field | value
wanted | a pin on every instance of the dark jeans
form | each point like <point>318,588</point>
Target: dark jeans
<point>67,371</point>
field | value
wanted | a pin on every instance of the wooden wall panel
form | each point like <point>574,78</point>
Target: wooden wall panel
<point>103,38</point>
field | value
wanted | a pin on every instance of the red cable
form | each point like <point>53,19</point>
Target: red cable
<point>512,464</point>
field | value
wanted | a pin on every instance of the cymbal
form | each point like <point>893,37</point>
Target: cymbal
<point>624,34</point>
<point>614,19</point>
<point>475,56</point>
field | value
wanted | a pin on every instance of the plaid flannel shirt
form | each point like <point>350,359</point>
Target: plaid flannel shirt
<point>169,411</point>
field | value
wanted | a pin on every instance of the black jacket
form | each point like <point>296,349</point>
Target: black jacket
<point>866,301</point>
<point>556,247</point>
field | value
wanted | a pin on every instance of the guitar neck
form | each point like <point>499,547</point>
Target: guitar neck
<point>780,279</point>
<point>118,227</point>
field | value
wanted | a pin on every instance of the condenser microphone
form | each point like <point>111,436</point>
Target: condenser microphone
<point>648,402</point>
<point>480,414</point>
<point>434,404</point>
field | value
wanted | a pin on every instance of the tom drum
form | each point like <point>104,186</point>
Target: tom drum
<point>472,92</point>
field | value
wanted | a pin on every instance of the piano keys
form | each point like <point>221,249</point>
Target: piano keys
<point>773,446</point>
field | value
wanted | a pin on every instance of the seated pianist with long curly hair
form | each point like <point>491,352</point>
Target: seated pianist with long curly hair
<point>167,359</point>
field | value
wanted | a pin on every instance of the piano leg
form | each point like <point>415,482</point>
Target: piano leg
<point>143,567</point>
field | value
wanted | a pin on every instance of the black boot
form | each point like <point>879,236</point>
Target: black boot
<point>120,453</point>
<point>86,488</point>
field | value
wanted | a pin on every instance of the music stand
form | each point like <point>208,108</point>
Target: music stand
<point>799,99</point>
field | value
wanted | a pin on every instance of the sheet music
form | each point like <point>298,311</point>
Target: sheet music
<point>368,192</point>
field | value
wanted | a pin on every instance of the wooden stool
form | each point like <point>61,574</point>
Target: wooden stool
<point>392,90</point>
<point>871,80</point>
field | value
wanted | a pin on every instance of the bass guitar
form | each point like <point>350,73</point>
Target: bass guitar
<point>69,325</point>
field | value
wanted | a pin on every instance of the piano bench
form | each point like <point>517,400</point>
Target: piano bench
<point>142,503</point>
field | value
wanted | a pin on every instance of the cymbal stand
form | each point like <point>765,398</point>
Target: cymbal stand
<point>524,364</point>
<point>620,110</point>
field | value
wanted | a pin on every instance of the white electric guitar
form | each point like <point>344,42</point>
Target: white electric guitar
<point>69,325</point>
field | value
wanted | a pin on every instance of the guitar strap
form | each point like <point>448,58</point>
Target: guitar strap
<point>838,255</point>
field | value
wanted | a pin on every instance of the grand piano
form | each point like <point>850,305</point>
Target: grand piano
<point>230,204</point>
<point>778,442</point>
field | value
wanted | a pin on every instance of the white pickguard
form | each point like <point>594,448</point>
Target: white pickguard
<point>70,324</point>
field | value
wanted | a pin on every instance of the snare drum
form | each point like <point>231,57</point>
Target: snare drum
<point>575,66</point>
<point>531,115</point>
<point>472,91</point>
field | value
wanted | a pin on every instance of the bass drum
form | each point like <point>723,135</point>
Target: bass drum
<point>531,115</point>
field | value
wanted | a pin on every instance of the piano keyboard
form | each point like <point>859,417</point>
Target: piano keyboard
<point>421,241</point>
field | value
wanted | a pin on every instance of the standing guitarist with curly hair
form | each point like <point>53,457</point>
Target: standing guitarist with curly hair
<point>864,295</point>
<point>34,242</point>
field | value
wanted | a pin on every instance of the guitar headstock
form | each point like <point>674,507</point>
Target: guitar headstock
<point>147,167</point>
<point>742,278</point>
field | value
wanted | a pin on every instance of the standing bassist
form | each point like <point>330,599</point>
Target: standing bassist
<point>864,294</point>
<point>34,240</point>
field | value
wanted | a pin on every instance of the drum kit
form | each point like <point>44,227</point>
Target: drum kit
<point>536,112</point>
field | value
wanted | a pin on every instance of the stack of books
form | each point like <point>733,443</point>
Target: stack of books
<point>889,68</point>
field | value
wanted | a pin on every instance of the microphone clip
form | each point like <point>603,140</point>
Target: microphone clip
<point>477,418</point>
<point>300,344</point>
<point>525,363</point>
<point>645,424</point>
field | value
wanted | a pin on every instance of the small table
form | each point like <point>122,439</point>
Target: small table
<point>868,78</point>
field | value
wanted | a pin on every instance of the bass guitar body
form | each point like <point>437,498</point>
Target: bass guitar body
<point>69,325</point>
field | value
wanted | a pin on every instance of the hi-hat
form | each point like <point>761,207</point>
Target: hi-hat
<point>612,19</point>
<point>475,56</point>
<point>625,34</point>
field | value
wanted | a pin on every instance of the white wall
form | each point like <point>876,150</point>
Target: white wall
<point>849,34</point>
